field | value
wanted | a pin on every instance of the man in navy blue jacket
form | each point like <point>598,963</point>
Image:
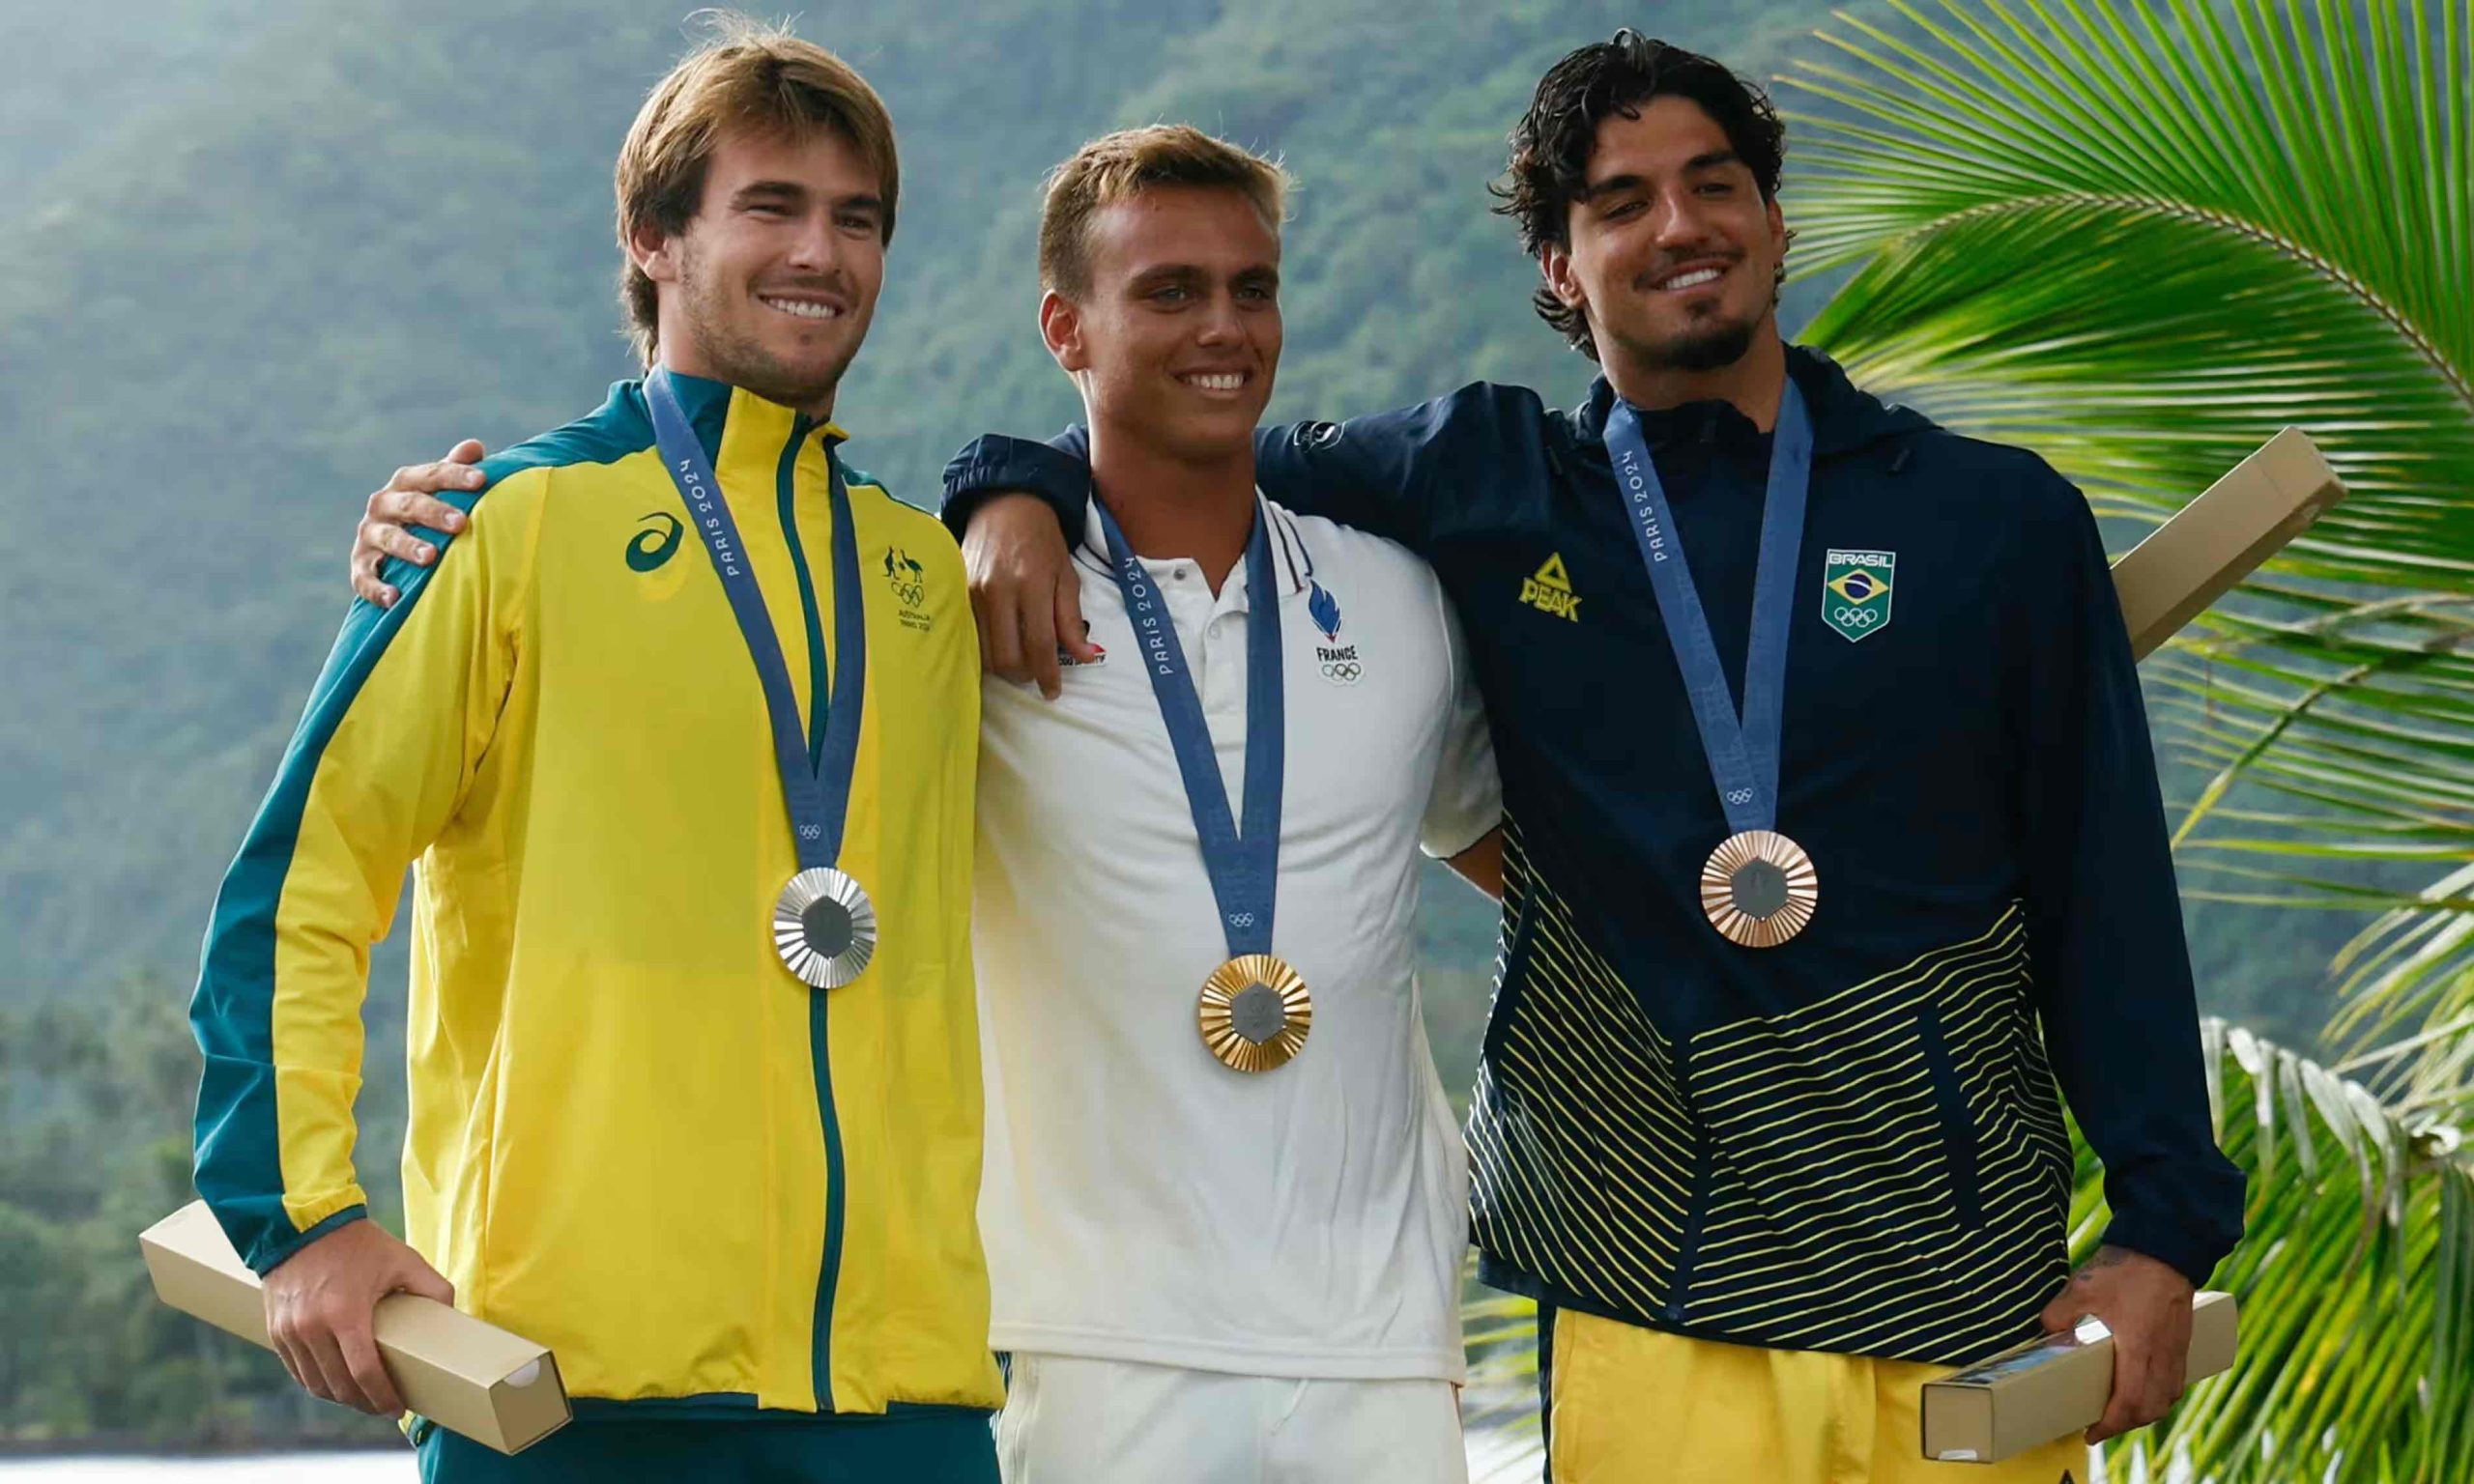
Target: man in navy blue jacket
<point>1767,1133</point>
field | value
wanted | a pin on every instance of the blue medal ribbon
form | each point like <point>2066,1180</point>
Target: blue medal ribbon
<point>819,791</point>
<point>1244,868</point>
<point>1742,754</point>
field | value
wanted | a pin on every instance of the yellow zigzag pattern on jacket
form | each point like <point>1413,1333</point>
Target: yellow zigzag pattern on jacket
<point>1882,1171</point>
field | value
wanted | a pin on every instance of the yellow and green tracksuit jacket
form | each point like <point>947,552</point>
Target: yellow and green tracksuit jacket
<point>634,1136</point>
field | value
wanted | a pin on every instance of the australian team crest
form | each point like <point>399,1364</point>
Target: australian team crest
<point>909,580</point>
<point>1856,591</point>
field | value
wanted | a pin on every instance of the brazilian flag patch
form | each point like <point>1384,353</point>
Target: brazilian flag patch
<point>1856,591</point>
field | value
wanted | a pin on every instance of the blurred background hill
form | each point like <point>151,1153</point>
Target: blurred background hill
<point>263,253</point>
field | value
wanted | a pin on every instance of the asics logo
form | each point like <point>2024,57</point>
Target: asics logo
<point>655,545</point>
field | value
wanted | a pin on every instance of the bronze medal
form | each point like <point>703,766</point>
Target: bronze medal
<point>1254,1013</point>
<point>1759,889</point>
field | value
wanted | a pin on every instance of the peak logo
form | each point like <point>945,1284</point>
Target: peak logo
<point>652,547</point>
<point>1549,590</point>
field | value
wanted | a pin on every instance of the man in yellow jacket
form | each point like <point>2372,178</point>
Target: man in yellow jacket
<point>681,734</point>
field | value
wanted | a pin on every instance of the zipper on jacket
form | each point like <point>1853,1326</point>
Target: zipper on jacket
<point>1704,1179</point>
<point>820,1040</point>
<point>786,486</point>
<point>1958,1125</point>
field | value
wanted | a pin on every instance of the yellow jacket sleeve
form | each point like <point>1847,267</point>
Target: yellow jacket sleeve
<point>389,742</point>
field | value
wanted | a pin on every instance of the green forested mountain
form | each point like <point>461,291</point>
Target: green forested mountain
<point>264,253</point>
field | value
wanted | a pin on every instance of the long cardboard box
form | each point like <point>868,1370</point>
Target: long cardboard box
<point>2052,1387</point>
<point>467,1375</point>
<point>2220,538</point>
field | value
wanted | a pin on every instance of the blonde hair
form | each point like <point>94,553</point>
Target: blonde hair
<point>749,76</point>
<point>1115,167</point>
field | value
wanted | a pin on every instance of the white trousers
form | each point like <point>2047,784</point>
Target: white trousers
<point>1071,1421</point>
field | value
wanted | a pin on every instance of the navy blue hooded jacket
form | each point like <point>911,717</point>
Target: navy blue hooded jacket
<point>1851,1142</point>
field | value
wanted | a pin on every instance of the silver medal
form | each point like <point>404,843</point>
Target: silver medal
<point>825,928</point>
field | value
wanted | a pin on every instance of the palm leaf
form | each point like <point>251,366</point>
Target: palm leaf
<point>2355,1275</point>
<point>2407,994</point>
<point>2141,235</point>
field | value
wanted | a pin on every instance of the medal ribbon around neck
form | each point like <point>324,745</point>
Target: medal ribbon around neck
<point>1255,1010</point>
<point>1759,888</point>
<point>824,926</point>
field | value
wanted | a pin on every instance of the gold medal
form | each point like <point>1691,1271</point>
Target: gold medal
<point>1254,1013</point>
<point>1759,889</point>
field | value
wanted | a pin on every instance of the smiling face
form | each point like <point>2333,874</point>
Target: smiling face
<point>1177,337</point>
<point>1671,251</point>
<point>772,283</point>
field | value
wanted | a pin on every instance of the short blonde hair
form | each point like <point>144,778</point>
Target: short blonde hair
<point>748,77</point>
<point>1115,167</point>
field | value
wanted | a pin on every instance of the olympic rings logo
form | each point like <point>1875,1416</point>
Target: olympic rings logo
<point>1343,672</point>
<point>1241,919</point>
<point>1860,618</point>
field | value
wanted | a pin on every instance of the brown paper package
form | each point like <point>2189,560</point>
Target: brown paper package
<point>466,1376</point>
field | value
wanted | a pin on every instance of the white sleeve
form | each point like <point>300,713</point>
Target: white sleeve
<point>1467,799</point>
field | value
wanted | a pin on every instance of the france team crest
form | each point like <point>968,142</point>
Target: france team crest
<point>1325,609</point>
<point>1856,591</point>
<point>1339,662</point>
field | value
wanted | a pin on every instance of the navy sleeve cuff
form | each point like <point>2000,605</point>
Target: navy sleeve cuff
<point>2192,1253</point>
<point>997,463</point>
<point>266,1257</point>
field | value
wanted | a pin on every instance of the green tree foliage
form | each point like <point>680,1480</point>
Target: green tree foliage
<point>94,1150</point>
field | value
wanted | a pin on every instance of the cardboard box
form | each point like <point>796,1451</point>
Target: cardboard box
<point>2220,538</point>
<point>464,1375</point>
<point>2048,1388</point>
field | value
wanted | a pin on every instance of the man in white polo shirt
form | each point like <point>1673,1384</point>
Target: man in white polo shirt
<point>1223,1198</point>
<point>1224,1222</point>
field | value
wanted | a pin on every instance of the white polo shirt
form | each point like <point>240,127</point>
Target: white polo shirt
<point>1142,1201</point>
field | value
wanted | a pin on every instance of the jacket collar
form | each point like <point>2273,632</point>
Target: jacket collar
<point>712,406</point>
<point>1844,418</point>
<point>1292,565</point>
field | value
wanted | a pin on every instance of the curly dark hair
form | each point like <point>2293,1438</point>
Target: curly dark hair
<point>1552,143</point>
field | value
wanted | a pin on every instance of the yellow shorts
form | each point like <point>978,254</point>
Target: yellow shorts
<point>1634,1405</point>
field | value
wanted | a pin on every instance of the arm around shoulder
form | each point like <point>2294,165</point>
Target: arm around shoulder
<point>1057,471</point>
<point>1404,474</point>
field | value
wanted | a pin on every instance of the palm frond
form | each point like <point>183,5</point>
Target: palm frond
<point>2140,237</point>
<point>2366,710</point>
<point>2356,1319</point>
<point>2407,1000</point>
